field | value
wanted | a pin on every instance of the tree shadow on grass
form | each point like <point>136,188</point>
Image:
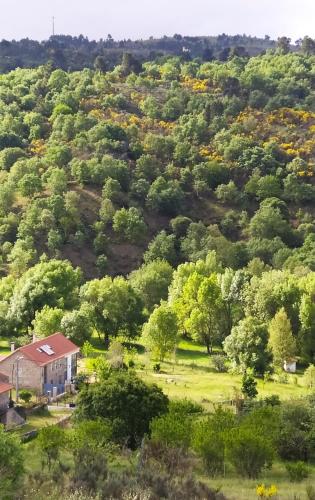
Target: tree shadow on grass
<point>191,354</point>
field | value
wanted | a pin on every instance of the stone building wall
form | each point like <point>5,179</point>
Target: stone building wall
<point>4,401</point>
<point>30,375</point>
<point>57,371</point>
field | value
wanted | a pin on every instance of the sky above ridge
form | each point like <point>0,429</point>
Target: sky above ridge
<point>143,18</point>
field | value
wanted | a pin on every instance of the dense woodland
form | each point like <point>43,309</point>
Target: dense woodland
<point>163,199</point>
<point>76,53</point>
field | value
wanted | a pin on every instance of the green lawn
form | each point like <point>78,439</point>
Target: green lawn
<point>191,374</point>
<point>40,419</point>
<point>236,488</point>
<point>4,346</point>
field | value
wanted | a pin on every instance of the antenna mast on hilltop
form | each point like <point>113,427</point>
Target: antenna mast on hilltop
<point>53,26</point>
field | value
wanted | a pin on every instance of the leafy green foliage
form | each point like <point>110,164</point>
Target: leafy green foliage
<point>11,463</point>
<point>248,452</point>
<point>160,333</point>
<point>127,402</point>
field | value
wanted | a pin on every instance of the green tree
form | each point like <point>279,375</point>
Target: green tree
<point>208,439</point>
<point>47,321</point>
<point>268,186</point>
<point>51,440</point>
<point>309,376</point>
<point>127,402</point>
<point>56,181</point>
<point>9,156</point>
<point>283,44</point>
<point>249,385</point>
<point>165,196</point>
<point>77,326</point>
<point>161,331</point>
<point>247,345</point>
<point>54,241</point>
<point>54,284</point>
<point>307,333</point>
<point>308,46</point>
<point>90,433</point>
<point>161,247</point>
<point>58,80</point>
<point>130,64</point>
<point>129,224</point>
<point>268,223</point>
<point>180,225</point>
<point>115,308</point>
<point>200,309</point>
<point>100,64</point>
<point>172,430</point>
<point>151,282</point>
<point>30,184</point>
<point>112,190</point>
<point>11,464</point>
<point>227,192</point>
<point>281,340</point>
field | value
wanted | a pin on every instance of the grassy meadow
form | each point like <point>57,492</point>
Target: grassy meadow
<point>191,374</point>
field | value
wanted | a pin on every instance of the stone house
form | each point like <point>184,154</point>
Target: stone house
<point>5,392</point>
<point>45,365</point>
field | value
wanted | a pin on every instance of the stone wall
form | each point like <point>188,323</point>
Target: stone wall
<point>30,375</point>
<point>57,372</point>
<point>4,378</point>
<point>4,401</point>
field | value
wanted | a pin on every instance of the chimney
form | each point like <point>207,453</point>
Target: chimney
<point>12,344</point>
<point>34,338</point>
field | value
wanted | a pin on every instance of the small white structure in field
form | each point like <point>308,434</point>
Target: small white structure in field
<point>290,365</point>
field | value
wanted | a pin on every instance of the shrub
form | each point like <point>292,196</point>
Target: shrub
<point>25,395</point>
<point>50,441</point>
<point>11,464</point>
<point>81,380</point>
<point>21,340</point>
<point>208,439</point>
<point>185,407</point>
<point>297,471</point>
<point>248,452</point>
<point>218,362</point>
<point>210,446</point>
<point>129,224</point>
<point>172,430</point>
<point>249,386</point>
<point>295,441</point>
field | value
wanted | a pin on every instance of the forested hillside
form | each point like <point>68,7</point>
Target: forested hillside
<point>173,161</point>
<point>161,215</point>
<point>106,169</point>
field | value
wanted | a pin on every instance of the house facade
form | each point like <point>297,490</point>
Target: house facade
<point>5,392</point>
<point>44,366</point>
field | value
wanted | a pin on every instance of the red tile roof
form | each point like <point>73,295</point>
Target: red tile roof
<point>59,344</point>
<point>5,387</point>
